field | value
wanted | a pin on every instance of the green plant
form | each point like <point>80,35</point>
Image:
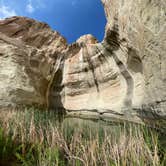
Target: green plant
<point>31,137</point>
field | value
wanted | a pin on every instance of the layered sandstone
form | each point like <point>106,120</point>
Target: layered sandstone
<point>123,76</point>
<point>28,53</point>
<point>142,25</point>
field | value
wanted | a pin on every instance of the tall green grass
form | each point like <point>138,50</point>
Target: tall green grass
<point>32,137</point>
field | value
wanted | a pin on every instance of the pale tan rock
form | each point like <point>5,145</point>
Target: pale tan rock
<point>123,77</point>
<point>94,79</point>
<point>142,24</point>
<point>29,51</point>
<point>125,74</point>
<point>87,39</point>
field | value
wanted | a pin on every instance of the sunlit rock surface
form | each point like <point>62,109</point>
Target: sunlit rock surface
<point>28,53</point>
<point>124,76</point>
<point>99,78</point>
<point>141,26</point>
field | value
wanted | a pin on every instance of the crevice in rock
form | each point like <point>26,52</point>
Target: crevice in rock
<point>55,88</point>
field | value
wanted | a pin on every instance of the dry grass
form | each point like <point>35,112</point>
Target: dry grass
<point>35,139</point>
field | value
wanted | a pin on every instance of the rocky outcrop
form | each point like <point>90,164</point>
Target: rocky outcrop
<point>121,77</point>
<point>124,75</point>
<point>141,25</point>
<point>98,79</point>
<point>28,52</point>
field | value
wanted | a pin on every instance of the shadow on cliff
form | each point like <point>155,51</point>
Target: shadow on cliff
<point>113,44</point>
<point>55,99</point>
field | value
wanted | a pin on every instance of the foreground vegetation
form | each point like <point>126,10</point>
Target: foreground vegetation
<point>36,138</point>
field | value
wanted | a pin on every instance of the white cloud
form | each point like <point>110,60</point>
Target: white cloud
<point>29,7</point>
<point>6,11</point>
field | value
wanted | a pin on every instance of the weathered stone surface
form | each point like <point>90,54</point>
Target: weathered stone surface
<point>28,53</point>
<point>141,25</point>
<point>122,77</point>
<point>33,33</point>
<point>94,80</point>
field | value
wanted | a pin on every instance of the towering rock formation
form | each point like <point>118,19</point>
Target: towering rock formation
<point>28,53</point>
<point>141,27</point>
<point>123,76</point>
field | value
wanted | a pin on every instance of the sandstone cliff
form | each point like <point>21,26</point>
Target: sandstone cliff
<point>28,54</point>
<point>123,76</point>
<point>141,27</point>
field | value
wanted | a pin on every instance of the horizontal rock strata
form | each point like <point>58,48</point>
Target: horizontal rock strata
<point>28,53</point>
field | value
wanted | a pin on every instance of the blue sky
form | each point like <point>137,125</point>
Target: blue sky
<point>72,18</point>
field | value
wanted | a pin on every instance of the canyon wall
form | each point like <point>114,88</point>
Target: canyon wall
<point>28,53</point>
<point>141,25</point>
<point>122,77</point>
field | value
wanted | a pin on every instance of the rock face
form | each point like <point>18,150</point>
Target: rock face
<point>123,76</point>
<point>28,53</point>
<point>141,26</point>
